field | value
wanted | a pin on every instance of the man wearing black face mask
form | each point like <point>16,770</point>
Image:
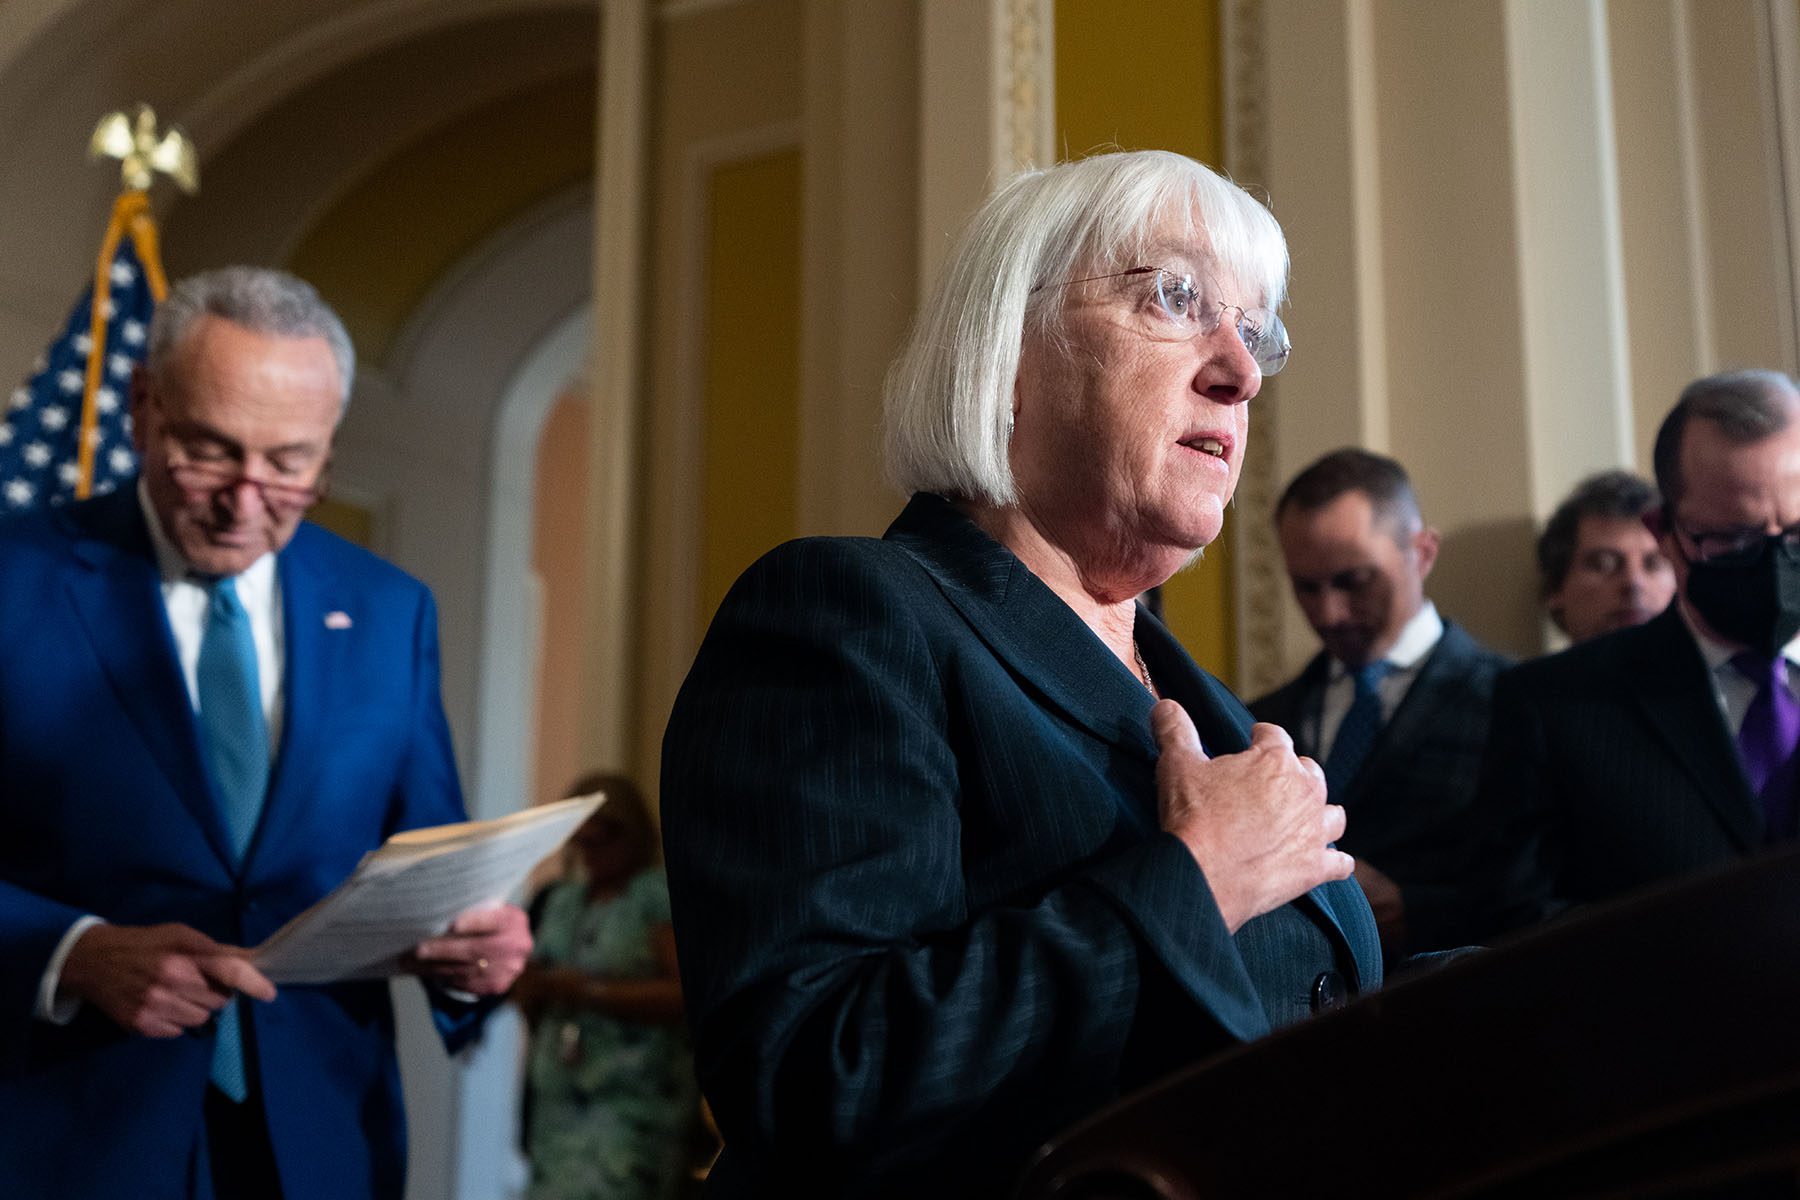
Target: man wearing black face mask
<point>1670,747</point>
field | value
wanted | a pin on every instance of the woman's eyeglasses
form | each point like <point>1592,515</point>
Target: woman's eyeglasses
<point>1179,309</point>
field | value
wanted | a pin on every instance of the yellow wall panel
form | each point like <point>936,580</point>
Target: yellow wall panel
<point>1147,76</point>
<point>752,381</point>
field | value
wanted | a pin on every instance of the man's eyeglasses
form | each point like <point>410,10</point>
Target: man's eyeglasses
<point>1178,309</point>
<point>211,478</point>
<point>1734,547</point>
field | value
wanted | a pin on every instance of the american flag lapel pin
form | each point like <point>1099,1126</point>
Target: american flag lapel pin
<point>337,619</point>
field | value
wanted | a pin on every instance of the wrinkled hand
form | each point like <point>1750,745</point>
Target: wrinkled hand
<point>158,980</point>
<point>482,952</point>
<point>1255,821</point>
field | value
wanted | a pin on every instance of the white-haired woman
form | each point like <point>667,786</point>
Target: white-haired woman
<point>961,843</point>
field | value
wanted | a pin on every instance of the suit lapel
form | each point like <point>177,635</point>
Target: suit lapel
<point>313,653</point>
<point>1047,646</point>
<point>1026,625</point>
<point>119,602</point>
<point>1674,692</point>
<point>1224,728</point>
<point>1418,706</point>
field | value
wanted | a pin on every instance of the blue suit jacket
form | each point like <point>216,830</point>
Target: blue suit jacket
<point>925,912</point>
<point>106,808</point>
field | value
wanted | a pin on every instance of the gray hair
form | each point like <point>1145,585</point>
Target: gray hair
<point>1747,406</point>
<point>262,300</point>
<point>948,397</point>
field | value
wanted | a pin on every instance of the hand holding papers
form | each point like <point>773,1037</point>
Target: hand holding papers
<point>411,889</point>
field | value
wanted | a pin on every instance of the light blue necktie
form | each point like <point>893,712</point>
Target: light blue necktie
<point>235,737</point>
<point>1357,732</point>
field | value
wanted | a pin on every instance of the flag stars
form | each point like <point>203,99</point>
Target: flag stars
<point>83,344</point>
<point>106,401</point>
<point>21,399</point>
<point>6,434</point>
<point>19,493</point>
<point>133,332</point>
<point>118,365</point>
<point>54,417</point>
<point>69,381</point>
<point>37,454</point>
<point>68,473</point>
<point>121,460</point>
<point>108,310</point>
<point>123,273</point>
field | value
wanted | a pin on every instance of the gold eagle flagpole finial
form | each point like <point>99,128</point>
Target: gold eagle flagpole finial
<point>132,139</point>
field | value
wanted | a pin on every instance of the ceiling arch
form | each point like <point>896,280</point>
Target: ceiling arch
<point>295,107</point>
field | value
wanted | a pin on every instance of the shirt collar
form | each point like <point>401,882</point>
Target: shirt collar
<point>1716,653</point>
<point>1418,637</point>
<point>259,575</point>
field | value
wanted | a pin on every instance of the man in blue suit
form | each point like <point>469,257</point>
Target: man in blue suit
<point>209,711</point>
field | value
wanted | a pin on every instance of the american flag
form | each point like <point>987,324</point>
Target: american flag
<point>40,427</point>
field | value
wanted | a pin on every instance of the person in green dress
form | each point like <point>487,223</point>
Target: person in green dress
<point>610,1093</point>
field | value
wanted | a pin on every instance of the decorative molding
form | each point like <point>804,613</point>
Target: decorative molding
<point>1026,92</point>
<point>1778,29</point>
<point>681,530</point>
<point>1259,580</point>
<point>609,713</point>
<point>674,10</point>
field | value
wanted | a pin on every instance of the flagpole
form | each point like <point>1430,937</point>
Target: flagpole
<point>130,218</point>
<point>133,140</point>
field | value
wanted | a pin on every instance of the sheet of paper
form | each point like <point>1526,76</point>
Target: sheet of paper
<point>411,888</point>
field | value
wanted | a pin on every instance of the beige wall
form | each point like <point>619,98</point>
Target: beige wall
<point>559,545</point>
<point>1518,226</point>
<point>725,90</point>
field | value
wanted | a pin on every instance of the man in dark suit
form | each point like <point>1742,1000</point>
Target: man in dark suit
<point>947,874</point>
<point>209,711</point>
<point>1396,705</point>
<point>1666,748</point>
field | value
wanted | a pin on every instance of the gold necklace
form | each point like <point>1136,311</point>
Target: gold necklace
<point>1144,669</point>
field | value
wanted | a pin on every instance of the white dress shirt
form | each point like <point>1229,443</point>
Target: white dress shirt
<point>185,601</point>
<point>1732,689</point>
<point>1418,638</point>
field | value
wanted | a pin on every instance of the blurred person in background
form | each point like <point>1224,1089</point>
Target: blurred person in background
<point>610,1094</point>
<point>1602,569</point>
<point>1395,704</point>
<point>1667,748</point>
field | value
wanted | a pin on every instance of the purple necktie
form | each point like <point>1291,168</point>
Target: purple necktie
<point>1766,741</point>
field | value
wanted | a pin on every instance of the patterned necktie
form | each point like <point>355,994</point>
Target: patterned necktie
<point>235,737</point>
<point>1766,741</point>
<point>1357,732</point>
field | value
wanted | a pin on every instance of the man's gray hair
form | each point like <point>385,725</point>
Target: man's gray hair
<point>1747,406</point>
<point>948,398</point>
<point>262,300</point>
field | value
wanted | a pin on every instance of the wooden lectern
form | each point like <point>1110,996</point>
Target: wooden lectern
<point>1644,1048</point>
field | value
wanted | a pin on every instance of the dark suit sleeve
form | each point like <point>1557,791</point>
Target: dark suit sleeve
<point>851,1012</point>
<point>1519,834</point>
